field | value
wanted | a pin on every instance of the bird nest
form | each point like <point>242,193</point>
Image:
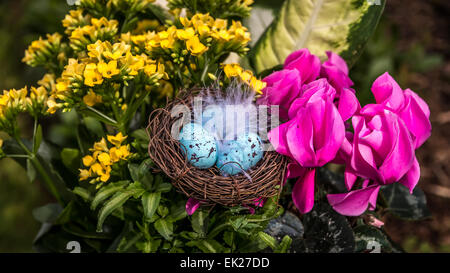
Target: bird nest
<point>264,180</point>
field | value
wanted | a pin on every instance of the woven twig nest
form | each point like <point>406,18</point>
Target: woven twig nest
<point>208,185</point>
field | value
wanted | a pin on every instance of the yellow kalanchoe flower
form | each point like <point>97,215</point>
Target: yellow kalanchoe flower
<point>91,98</point>
<point>195,46</point>
<point>117,139</point>
<point>235,70</point>
<point>108,69</point>
<point>91,75</point>
<point>100,163</point>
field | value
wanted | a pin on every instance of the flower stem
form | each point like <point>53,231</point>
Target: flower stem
<point>40,169</point>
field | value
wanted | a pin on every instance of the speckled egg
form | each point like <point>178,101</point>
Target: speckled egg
<point>198,145</point>
<point>240,154</point>
<point>252,148</point>
<point>230,159</point>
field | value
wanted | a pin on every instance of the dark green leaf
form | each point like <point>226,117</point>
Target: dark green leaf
<point>66,214</point>
<point>140,135</point>
<point>71,158</point>
<point>94,126</point>
<point>405,205</point>
<point>47,213</point>
<point>371,239</point>
<point>327,231</point>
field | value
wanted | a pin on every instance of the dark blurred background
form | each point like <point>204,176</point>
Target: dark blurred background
<point>411,42</point>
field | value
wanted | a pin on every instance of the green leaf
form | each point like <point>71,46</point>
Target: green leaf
<point>228,237</point>
<point>341,26</point>
<point>207,245</point>
<point>141,135</point>
<point>111,205</point>
<point>76,230</point>
<point>47,213</point>
<point>200,222</point>
<point>268,240</point>
<point>31,171</point>
<point>261,16</point>
<point>178,210</point>
<point>107,191</point>
<point>165,228</point>
<point>150,202</point>
<point>284,246</point>
<point>83,193</point>
<point>37,139</point>
<point>94,126</point>
<point>371,239</point>
<point>164,187</point>
<point>66,215</point>
<point>70,158</point>
<point>134,171</point>
<point>326,231</point>
<point>405,205</point>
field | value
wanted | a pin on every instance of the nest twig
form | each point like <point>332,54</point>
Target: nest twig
<point>208,185</point>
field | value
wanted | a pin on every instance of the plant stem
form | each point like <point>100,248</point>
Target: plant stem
<point>37,164</point>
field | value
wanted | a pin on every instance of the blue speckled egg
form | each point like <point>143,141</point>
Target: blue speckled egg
<point>230,159</point>
<point>240,154</point>
<point>252,148</point>
<point>198,145</point>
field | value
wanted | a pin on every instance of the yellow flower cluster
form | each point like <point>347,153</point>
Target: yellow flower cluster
<point>13,102</point>
<point>101,161</point>
<point>218,8</point>
<point>43,51</point>
<point>75,19</point>
<point>98,29</point>
<point>235,70</point>
<point>193,36</point>
<point>105,63</point>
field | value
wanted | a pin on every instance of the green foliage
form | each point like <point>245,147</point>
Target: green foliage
<point>341,26</point>
<point>405,205</point>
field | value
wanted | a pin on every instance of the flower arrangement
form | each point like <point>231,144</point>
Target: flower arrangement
<point>118,62</point>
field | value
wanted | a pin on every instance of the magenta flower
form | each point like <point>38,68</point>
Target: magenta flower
<point>407,104</point>
<point>335,70</point>
<point>282,88</point>
<point>192,205</point>
<point>347,103</point>
<point>307,64</point>
<point>311,139</point>
<point>382,153</point>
